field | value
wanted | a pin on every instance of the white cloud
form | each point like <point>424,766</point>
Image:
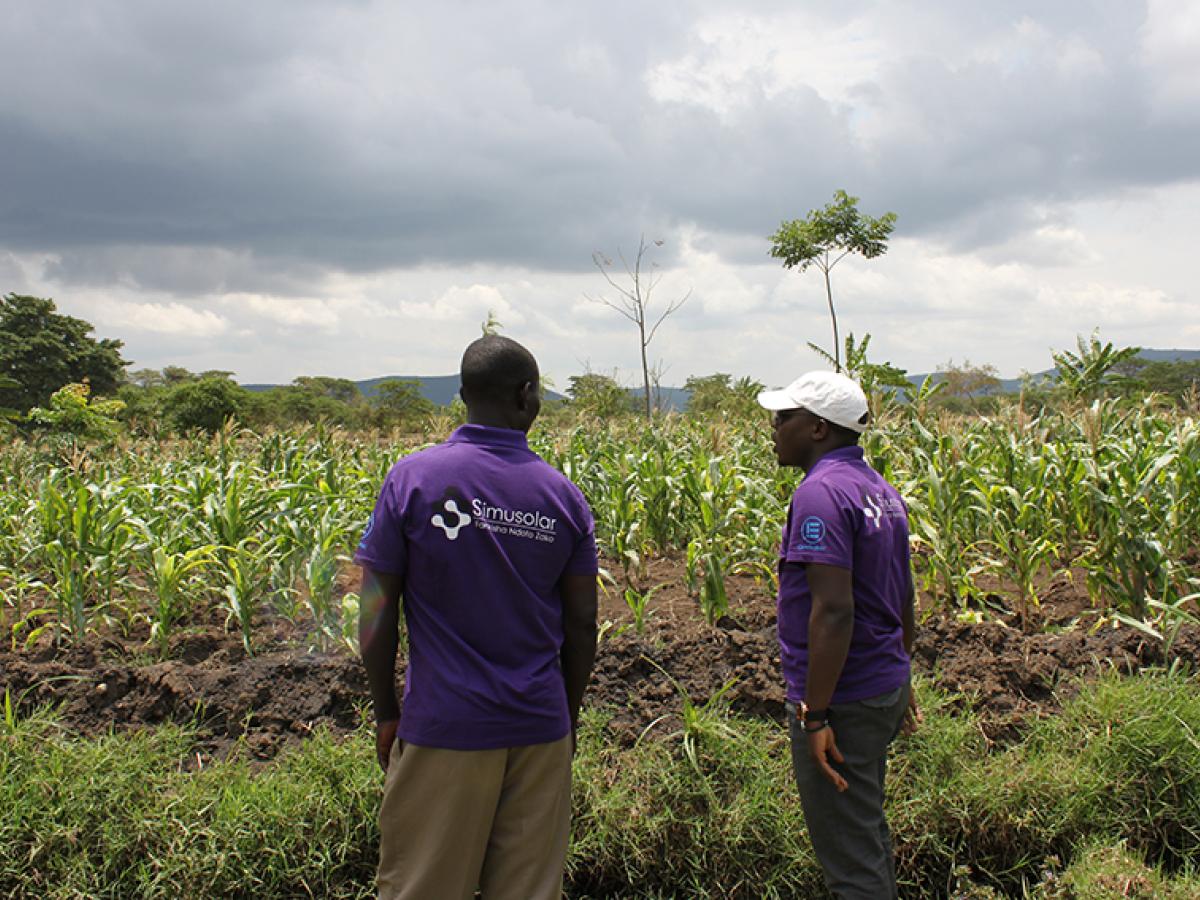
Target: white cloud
<point>1170,51</point>
<point>464,304</point>
<point>169,318</point>
<point>292,312</point>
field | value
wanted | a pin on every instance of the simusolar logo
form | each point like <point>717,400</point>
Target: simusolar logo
<point>450,507</point>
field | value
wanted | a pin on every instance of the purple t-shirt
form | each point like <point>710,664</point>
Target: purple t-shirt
<point>844,514</point>
<point>481,529</point>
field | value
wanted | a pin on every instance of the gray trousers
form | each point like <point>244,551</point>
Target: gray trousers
<point>848,830</point>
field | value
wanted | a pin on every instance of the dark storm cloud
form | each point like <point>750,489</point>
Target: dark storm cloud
<point>360,137</point>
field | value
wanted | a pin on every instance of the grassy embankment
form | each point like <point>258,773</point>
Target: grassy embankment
<point>1102,801</point>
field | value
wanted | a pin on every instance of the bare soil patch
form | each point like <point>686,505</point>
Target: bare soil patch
<point>284,691</point>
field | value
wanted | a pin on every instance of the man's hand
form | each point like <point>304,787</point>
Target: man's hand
<point>823,746</point>
<point>385,736</point>
<point>912,715</point>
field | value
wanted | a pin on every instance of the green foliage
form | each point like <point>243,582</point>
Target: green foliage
<point>1137,742</point>
<point>1179,380</point>
<point>42,350</point>
<point>1103,871</point>
<point>720,395</point>
<point>74,413</point>
<point>1106,492</point>
<point>307,400</point>
<point>825,237</point>
<point>1102,801</point>
<point>1094,369</point>
<point>126,816</point>
<point>8,414</point>
<point>398,403</point>
<point>171,581</point>
<point>205,403</point>
<point>650,821</point>
<point>599,395</point>
<point>870,376</point>
<point>967,382</point>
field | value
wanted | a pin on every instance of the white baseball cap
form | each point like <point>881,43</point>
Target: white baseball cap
<point>830,395</point>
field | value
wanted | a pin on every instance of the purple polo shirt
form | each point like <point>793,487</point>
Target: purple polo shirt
<point>481,529</point>
<point>844,514</point>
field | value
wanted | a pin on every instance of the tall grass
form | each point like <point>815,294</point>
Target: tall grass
<point>1103,801</point>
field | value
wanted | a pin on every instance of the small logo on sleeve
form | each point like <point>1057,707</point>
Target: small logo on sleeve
<point>362,544</point>
<point>812,532</point>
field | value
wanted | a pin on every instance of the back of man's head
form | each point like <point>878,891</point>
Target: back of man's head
<point>493,368</point>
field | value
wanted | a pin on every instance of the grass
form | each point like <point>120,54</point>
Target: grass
<point>1101,801</point>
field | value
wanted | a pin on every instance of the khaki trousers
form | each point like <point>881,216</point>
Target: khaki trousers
<point>456,821</point>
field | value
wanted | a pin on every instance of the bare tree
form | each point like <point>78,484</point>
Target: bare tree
<point>634,302</point>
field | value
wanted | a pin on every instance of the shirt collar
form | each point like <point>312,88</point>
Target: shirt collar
<point>853,453</point>
<point>485,434</point>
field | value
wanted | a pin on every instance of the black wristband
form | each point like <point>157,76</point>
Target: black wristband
<point>816,715</point>
<point>819,726</point>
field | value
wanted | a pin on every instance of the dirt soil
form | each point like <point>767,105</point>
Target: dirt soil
<point>285,690</point>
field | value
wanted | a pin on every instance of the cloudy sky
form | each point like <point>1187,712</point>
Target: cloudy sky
<point>286,188</point>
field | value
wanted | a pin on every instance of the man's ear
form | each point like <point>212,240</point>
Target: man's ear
<point>524,393</point>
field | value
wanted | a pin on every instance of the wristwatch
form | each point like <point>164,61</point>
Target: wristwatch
<point>814,719</point>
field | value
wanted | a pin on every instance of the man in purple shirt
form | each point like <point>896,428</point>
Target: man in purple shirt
<point>494,554</point>
<point>845,614</point>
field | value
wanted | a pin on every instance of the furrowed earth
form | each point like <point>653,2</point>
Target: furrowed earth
<point>259,703</point>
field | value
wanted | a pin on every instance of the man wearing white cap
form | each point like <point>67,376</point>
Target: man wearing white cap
<point>845,612</point>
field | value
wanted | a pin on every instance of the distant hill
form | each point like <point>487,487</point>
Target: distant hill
<point>1013,385</point>
<point>439,389</point>
<point>1170,355</point>
<point>442,389</point>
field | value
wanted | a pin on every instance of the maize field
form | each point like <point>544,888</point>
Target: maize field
<point>162,532</point>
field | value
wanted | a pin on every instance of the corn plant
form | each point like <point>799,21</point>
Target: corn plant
<point>1167,619</point>
<point>639,605</point>
<point>85,542</point>
<point>247,572</point>
<point>1016,521</point>
<point>169,573</point>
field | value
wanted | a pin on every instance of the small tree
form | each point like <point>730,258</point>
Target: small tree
<point>719,394</point>
<point>398,401</point>
<point>1094,369</point>
<point>73,414</point>
<point>205,403</point>
<point>634,302</point>
<point>871,377</point>
<point>342,390</point>
<point>826,237</point>
<point>600,395</point>
<point>966,382</point>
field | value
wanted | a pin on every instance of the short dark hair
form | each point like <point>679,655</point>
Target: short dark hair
<point>494,366</point>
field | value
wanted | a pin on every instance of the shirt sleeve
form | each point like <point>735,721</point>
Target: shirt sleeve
<point>382,547</point>
<point>822,529</point>
<point>583,558</point>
